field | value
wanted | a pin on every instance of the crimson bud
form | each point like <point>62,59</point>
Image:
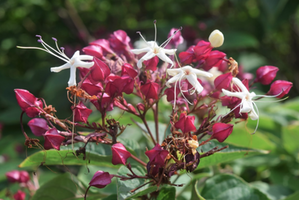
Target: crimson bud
<point>119,154</point>
<point>221,131</point>
<point>100,179</point>
<point>20,195</point>
<point>280,88</point>
<point>28,102</point>
<point>38,126</point>
<point>81,113</point>
<point>185,123</point>
<point>266,74</point>
<point>53,139</point>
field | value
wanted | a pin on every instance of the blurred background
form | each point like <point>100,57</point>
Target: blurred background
<point>257,33</point>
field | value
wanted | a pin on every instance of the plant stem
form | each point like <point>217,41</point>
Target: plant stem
<point>148,129</point>
<point>138,160</point>
<point>156,122</point>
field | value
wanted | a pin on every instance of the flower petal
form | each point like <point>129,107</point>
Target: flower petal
<point>192,79</point>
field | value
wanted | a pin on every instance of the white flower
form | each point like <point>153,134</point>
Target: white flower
<point>153,50</point>
<point>71,63</point>
<point>216,38</point>
<point>247,104</point>
<point>189,73</point>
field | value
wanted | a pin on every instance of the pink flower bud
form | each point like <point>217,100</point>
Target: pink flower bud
<point>221,131</point>
<point>28,102</point>
<point>140,106</point>
<point>266,74</point>
<point>24,177</point>
<point>157,155</point>
<point>90,88</point>
<point>132,108</point>
<point>119,154</point>
<point>119,40</point>
<point>38,126</point>
<point>185,123</point>
<point>214,59</point>
<point>169,92</point>
<point>128,69</point>
<point>94,50</point>
<point>150,90</point>
<point>188,56</point>
<point>99,71</point>
<point>100,179</point>
<point>16,176</point>
<point>81,113</point>
<point>104,44</point>
<point>223,81</point>
<point>53,139</point>
<point>20,195</point>
<point>177,38</point>
<point>152,63</point>
<point>280,87</point>
<point>202,50</point>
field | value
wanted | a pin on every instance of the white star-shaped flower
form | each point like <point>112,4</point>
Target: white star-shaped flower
<point>247,104</point>
<point>189,73</point>
<point>153,50</point>
<point>71,63</point>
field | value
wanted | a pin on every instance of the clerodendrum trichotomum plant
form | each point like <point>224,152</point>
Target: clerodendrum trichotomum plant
<point>137,80</point>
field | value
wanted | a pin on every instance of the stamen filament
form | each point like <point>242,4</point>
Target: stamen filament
<point>168,39</point>
<point>155,30</point>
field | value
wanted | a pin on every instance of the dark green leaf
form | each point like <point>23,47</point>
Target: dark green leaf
<point>63,187</point>
<point>65,157</point>
<point>124,187</point>
<point>274,192</point>
<point>226,186</point>
<point>166,193</point>
<point>228,154</point>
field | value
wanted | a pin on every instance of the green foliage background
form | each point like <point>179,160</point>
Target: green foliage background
<point>257,33</point>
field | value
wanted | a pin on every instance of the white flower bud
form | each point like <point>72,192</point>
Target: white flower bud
<point>216,38</point>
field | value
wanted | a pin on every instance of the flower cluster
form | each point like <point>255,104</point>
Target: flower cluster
<point>192,83</point>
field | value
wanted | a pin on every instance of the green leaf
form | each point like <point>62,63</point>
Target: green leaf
<point>166,193</point>
<point>242,137</point>
<point>63,187</point>
<point>124,187</point>
<point>231,153</point>
<point>143,191</point>
<point>294,196</point>
<point>226,186</point>
<point>65,157</point>
<point>290,137</point>
<point>274,192</point>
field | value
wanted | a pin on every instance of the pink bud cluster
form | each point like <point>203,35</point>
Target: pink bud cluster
<point>136,84</point>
